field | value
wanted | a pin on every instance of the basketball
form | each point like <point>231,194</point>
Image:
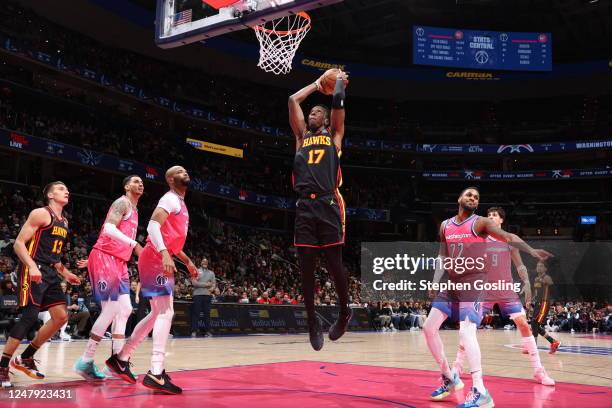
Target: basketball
<point>328,81</point>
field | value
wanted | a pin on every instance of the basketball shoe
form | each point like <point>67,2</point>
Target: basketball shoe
<point>316,334</point>
<point>161,383</point>
<point>339,327</point>
<point>448,386</point>
<point>88,370</point>
<point>477,399</point>
<point>121,369</point>
<point>28,367</point>
<point>554,346</point>
<point>542,377</point>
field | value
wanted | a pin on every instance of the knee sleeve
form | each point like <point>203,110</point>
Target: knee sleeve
<point>28,319</point>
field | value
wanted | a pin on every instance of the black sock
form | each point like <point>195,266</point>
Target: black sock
<point>333,256</point>
<point>550,339</point>
<point>4,362</point>
<point>29,351</point>
<point>307,257</point>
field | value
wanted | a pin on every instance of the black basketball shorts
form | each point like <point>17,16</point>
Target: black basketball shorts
<point>320,221</point>
<point>42,295</point>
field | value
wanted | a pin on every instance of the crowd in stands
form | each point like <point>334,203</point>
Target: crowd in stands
<point>251,266</point>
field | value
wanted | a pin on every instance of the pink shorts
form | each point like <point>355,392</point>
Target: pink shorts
<point>151,272</point>
<point>109,275</point>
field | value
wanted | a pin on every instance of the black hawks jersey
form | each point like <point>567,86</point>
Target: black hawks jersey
<point>47,244</point>
<point>316,166</point>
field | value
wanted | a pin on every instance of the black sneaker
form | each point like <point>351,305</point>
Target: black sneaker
<point>339,327</point>
<point>121,369</point>
<point>316,334</point>
<point>161,383</point>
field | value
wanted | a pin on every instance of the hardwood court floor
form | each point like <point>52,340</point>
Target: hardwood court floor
<point>362,369</point>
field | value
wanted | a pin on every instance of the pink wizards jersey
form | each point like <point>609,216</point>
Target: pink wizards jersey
<point>127,226</point>
<point>462,242</point>
<point>499,267</point>
<point>174,230</point>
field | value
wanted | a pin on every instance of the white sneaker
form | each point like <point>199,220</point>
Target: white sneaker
<point>65,336</point>
<point>572,331</point>
<point>541,376</point>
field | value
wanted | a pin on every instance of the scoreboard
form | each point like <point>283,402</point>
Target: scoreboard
<point>503,50</point>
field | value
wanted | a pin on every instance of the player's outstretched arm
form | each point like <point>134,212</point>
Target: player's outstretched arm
<point>296,114</point>
<point>521,269</point>
<point>485,226</point>
<point>38,218</point>
<point>337,112</point>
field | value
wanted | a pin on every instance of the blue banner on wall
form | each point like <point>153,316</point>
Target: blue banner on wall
<point>355,143</point>
<point>91,158</point>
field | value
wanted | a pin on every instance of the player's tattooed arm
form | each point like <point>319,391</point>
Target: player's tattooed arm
<point>118,210</point>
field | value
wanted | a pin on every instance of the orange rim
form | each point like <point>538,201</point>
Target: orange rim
<point>302,14</point>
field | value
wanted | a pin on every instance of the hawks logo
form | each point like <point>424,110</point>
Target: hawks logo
<point>521,148</point>
<point>161,280</point>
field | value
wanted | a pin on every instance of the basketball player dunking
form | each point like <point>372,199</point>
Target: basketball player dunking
<point>319,218</point>
<point>542,285</point>
<point>107,265</point>
<point>39,246</point>
<point>465,235</point>
<point>167,234</point>
<point>500,257</point>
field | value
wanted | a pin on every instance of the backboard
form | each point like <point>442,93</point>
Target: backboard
<point>180,22</point>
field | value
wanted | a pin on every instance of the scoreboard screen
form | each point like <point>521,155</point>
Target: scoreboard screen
<point>504,50</point>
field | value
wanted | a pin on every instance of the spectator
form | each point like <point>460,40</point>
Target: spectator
<point>202,298</point>
<point>79,315</point>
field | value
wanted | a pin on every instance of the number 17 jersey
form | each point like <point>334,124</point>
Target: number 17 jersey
<point>316,166</point>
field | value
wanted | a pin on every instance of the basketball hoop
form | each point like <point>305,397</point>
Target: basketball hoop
<point>279,40</point>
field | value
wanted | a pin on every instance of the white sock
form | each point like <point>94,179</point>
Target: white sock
<point>120,321</point>
<point>90,350</point>
<point>467,333</point>
<point>109,310</point>
<point>431,330</point>
<point>530,345</point>
<point>161,332</point>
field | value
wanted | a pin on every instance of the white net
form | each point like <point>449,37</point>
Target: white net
<point>279,40</point>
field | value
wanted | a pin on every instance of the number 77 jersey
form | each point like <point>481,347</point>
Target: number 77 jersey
<point>316,166</point>
<point>462,245</point>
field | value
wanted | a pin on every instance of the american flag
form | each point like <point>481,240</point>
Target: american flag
<point>182,17</point>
